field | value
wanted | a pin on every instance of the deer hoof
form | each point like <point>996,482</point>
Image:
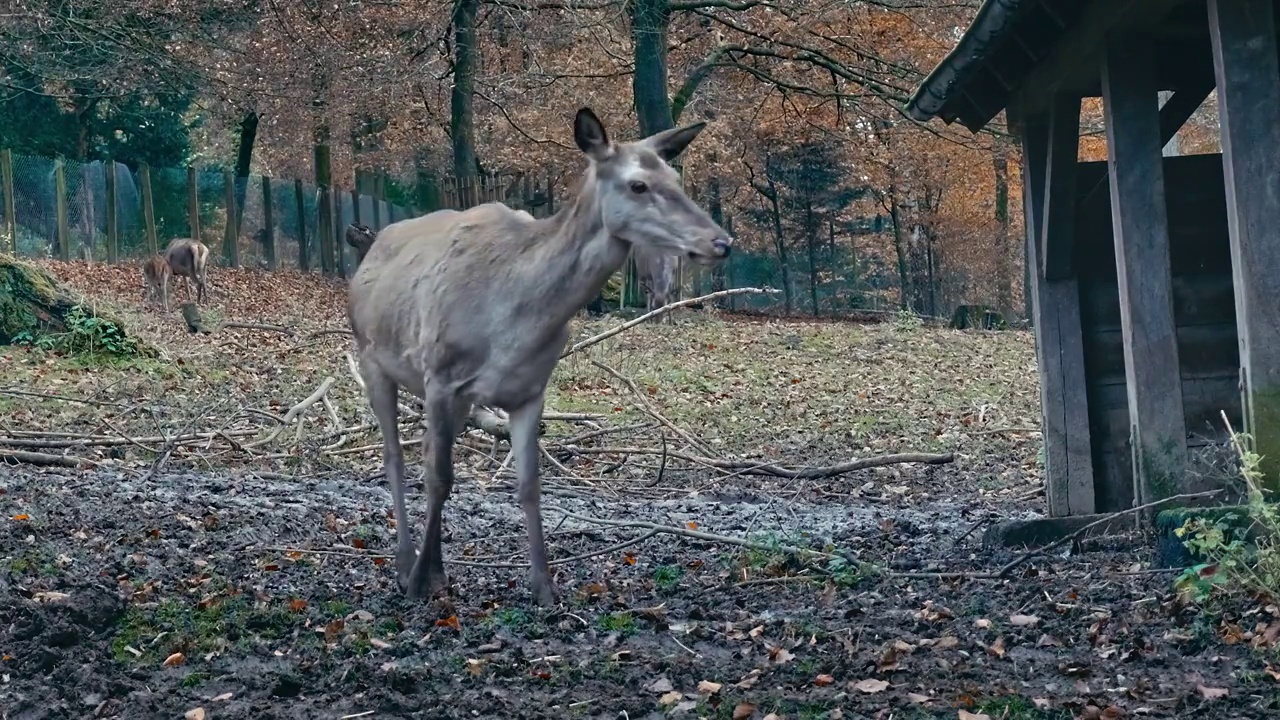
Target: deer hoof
<point>544,593</point>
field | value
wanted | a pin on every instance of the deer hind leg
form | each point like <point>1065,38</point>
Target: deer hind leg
<point>381,391</point>
<point>164,291</point>
<point>444,417</point>
<point>524,445</point>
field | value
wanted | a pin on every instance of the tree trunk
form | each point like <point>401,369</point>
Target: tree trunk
<point>649,20</point>
<point>780,243</point>
<point>1004,253</point>
<point>900,247</point>
<point>462,130</point>
<point>34,304</point>
<point>811,238</point>
<point>244,160</point>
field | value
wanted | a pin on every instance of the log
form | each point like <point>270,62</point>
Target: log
<point>34,304</point>
<point>195,324</point>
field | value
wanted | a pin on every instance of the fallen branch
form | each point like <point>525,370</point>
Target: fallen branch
<point>22,457</point>
<point>294,412</point>
<point>594,339</point>
<point>751,467</point>
<point>64,398</point>
<point>107,441</point>
<point>700,535</point>
<point>1010,566</point>
<point>643,404</point>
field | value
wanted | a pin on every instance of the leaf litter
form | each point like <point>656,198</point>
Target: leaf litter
<point>285,598</point>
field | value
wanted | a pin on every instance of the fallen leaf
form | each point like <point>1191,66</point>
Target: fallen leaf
<point>871,686</point>
<point>195,714</point>
<point>223,697</point>
<point>629,559</point>
<point>743,710</point>
<point>449,622</point>
<point>997,648</point>
<point>475,666</point>
<point>1024,620</point>
<point>946,642</point>
<point>918,699</point>
<point>966,715</point>
<point>749,680</point>
<point>780,655</point>
<point>48,596</point>
<point>685,706</point>
<point>1042,703</point>
<point>1212,693</point>
<point>297,605</point>
<point>22,517</point>
<point>771,716</point>
<point>661,685</point>
<point>706,687</point>
<point>332,629</point>
<point>1274,673</point>
<point>823,680</point>
<point>691,525</point>
<point>670,698</point>
<point>174,660</point>
<point>982,623</point>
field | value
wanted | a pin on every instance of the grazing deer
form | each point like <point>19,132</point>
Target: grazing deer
<point>657,275</point>
<point>189,259</point>
<point>360,237</point>
<point>156,272</point>
<point>473,307</point>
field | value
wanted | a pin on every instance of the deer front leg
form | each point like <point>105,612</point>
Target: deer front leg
<point>524,446</point>
<point>381,391</point>
<point>428,576</point>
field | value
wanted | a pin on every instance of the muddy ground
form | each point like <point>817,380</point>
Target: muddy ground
<point>107,577</point>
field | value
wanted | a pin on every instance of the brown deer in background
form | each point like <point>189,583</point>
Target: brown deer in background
<point>189,259</point>
<point>360,237</point>
<point>473,307</point>
<point>156,272</point>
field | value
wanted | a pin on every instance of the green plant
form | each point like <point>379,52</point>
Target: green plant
<point>85,334</point>
<point>666,577</point>
<point>1238,557</point>
<point>619,622</point>
<point>907,321</point>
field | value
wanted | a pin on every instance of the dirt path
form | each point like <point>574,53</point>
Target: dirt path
<point>181,564</point>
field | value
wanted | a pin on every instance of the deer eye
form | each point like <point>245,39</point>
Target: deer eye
<point>639,187</point>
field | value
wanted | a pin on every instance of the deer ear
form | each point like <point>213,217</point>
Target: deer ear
<point>670,143</point>
<point>589,134</point>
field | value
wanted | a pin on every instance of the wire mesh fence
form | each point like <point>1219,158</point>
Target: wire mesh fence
<point>832,248</point>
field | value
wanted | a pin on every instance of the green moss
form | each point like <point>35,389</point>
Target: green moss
<point>1265,430</point>
<point>31,300</point>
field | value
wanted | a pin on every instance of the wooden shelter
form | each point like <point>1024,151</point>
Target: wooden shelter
<point>1155,281</point>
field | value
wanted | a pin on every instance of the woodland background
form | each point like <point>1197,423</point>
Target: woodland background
<point>836,196</point>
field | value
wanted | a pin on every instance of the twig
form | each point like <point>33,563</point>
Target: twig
<point>662,464</point>
<point>700,535</point>
<point>1004,431</point>
<point>329,331</point>
<point>107,441</point>
<point>256,326</point>
<point>748,467</point>
<point>16,457</point>
<point>294,412</point>
<point>594,339</point>
<point>648,409</point>
<point>64,398</point>
<point>170,446</point>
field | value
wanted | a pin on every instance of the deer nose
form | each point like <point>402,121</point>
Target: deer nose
<point>722,245</point>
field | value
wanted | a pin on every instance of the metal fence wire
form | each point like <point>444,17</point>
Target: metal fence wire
<point>829,245</point>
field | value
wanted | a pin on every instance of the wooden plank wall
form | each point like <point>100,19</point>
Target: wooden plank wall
<point>1204,313</point>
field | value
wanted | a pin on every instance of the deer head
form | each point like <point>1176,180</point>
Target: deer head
<point>640,196</point>
<point>361,238</point>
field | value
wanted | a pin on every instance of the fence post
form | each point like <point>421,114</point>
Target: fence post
<point>113,232</point>
<point>10,215</point>
<point>268,225</point>
<point>304,262</point>
<point>324,224</point>
<point>148,207</point>
<point>376,196</point>
<point>230,237</point>
<point>193,202</point>
<point>355,206</point>
<point>60,203</point>
<point>551,195</point>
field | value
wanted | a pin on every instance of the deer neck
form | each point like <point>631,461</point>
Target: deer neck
<point>580,255</point>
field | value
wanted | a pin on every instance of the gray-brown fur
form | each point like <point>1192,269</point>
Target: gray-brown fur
<point>189,259</point>
<point>657,275</point>
<point>472,307</point>
<point>360,238</point>
<point>156,273</point>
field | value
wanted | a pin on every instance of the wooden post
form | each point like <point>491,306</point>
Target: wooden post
<point>148,208</point>
<point>1140,226</point>
<point>268,224</point>
<point>230,234</point>
<point>324,225</point>
<point>1055,308</point>
<point>1243,35</point>
<point>60,204</point>
<point>355,206</point>
<point>193,202</point>
<point>10,209</point>
<point>376,197</point>
<point>1059,229</point>
<point>551,195</point>
<point>304,262</point>
<point>113,230</point>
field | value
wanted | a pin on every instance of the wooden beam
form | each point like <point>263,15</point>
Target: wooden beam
<point>1055,309</point>
<point>1075,59</point>
<point>1140,229</point>
<point>1245,63</point>
<point>1059,222</point>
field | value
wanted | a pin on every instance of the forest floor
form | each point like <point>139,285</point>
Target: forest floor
<point>221,550</point>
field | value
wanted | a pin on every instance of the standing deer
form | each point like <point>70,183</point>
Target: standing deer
<point>473,307</point>
<point>360,237</point>
<point>189,259</point>
<point>657,275</point>
<point>156,272</point>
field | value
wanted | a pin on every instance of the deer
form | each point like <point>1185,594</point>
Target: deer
<point>360,238</point>
<point>156,272</point>
<point>657,275</point>
<point>189,259</point>
<point>472,308</point>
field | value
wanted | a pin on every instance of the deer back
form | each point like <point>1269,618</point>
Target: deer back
<point>155,268</point>
<point>186,256</point>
